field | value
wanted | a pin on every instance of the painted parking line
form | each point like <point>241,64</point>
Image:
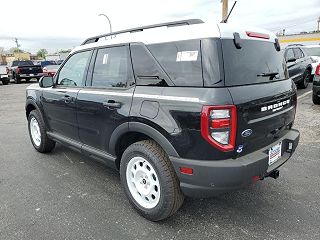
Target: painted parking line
<point>305,94</point>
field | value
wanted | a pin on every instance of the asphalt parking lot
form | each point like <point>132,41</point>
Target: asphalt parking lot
<point>63,195</point>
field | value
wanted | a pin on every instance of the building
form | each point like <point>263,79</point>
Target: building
<point>9,57</point>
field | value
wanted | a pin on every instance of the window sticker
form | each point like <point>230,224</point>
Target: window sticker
<point>105,58</point>
<point>187,56</point>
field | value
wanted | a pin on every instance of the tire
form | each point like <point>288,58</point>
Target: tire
<point>37,133</point>
<point>155,179</point>
<point>315,99</point>
<point>5,81</point>
<point>305,81</point>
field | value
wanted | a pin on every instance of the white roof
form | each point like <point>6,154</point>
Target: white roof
<point>178,33</point>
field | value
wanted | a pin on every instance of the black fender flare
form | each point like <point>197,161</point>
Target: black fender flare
<point>29,102</point>
<point>145,129</point>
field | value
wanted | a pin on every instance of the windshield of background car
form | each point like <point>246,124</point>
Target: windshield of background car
<point>312,51</point>
<point>255,62</point>
<point>22,63</point>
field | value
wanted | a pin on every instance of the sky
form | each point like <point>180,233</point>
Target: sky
<point>63,24</point>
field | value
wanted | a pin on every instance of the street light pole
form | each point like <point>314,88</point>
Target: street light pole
<point>101,14</point>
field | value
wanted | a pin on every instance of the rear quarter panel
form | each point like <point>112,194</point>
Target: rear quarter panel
<point>176,113</point>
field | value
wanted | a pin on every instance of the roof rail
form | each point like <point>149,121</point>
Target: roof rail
<point>139,29</point>
<point>295,44</point>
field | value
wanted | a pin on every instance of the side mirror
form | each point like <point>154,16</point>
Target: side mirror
<point>291,60</point>
<point>46,81</point>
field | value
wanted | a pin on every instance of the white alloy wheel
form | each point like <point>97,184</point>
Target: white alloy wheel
<point>35,131</point>
<point>143,182</point>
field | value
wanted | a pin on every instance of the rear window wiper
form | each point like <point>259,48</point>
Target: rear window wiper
<point>272,75</point>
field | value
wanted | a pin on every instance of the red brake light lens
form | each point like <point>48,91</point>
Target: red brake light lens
<point>218,126</point>
<point>186,170</point>
<point>318,70</point>
<point>258,35</point>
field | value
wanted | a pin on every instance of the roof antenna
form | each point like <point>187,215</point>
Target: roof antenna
<point>225,20</point>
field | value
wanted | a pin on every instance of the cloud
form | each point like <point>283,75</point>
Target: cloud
<point>64,24</point>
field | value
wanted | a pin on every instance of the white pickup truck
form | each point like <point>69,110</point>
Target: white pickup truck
<point>4,78</point>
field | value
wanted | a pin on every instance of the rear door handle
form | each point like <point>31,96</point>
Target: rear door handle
<point>111,104</point>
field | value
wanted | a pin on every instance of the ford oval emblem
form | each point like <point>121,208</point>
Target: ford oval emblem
<point>246,133</point>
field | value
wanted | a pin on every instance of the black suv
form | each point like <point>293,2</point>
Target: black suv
<point>299,65</point>
<point>180,109</point>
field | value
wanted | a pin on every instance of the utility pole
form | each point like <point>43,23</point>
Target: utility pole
<point>17,43</point>
<point>318,24</point>
<point>224,9</point>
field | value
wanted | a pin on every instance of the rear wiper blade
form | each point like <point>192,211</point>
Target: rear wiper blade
<point>270,74</point>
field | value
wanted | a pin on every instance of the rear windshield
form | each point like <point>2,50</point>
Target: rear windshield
<point>22,63</point>
<point>256,62</point>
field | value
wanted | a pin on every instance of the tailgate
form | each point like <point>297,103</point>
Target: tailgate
<point>30,69</point>
<point>265,112</point>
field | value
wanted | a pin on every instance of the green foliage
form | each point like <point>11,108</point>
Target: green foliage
<point>15,50</point>
<point>42,53</point>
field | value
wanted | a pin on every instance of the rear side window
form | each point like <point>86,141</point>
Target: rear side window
<point>256,62</point>
<point>289,54</point>
<point>298,53</point>
<point>111,68</point>
<point>180,60</point>
<point>146,68</point>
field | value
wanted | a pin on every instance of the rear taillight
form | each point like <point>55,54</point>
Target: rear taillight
<point>318,70</point>
<point>219,126</point>
<point>17,70</point>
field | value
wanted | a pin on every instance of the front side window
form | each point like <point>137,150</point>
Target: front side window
<point>74,71</point>
<point>112,68</point>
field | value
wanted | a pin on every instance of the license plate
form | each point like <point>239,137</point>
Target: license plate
<point>31,75</point>
<point>275,153</point>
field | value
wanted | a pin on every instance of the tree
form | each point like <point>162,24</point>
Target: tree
<point>42,53</point>
<point>15,50</point>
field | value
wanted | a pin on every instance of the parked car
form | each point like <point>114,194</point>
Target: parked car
<point>299,65</point>
<point>193,109</point>
<point>316,86</point>
<point>4,78</point>
<point>314,52</point>
<point>46,63</point>
<point>50,70</point>
<point>18,70</point>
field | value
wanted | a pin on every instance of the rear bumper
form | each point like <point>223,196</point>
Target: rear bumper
<point>316,86</point>
<point>28,76</point>
<point>212,178</point>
